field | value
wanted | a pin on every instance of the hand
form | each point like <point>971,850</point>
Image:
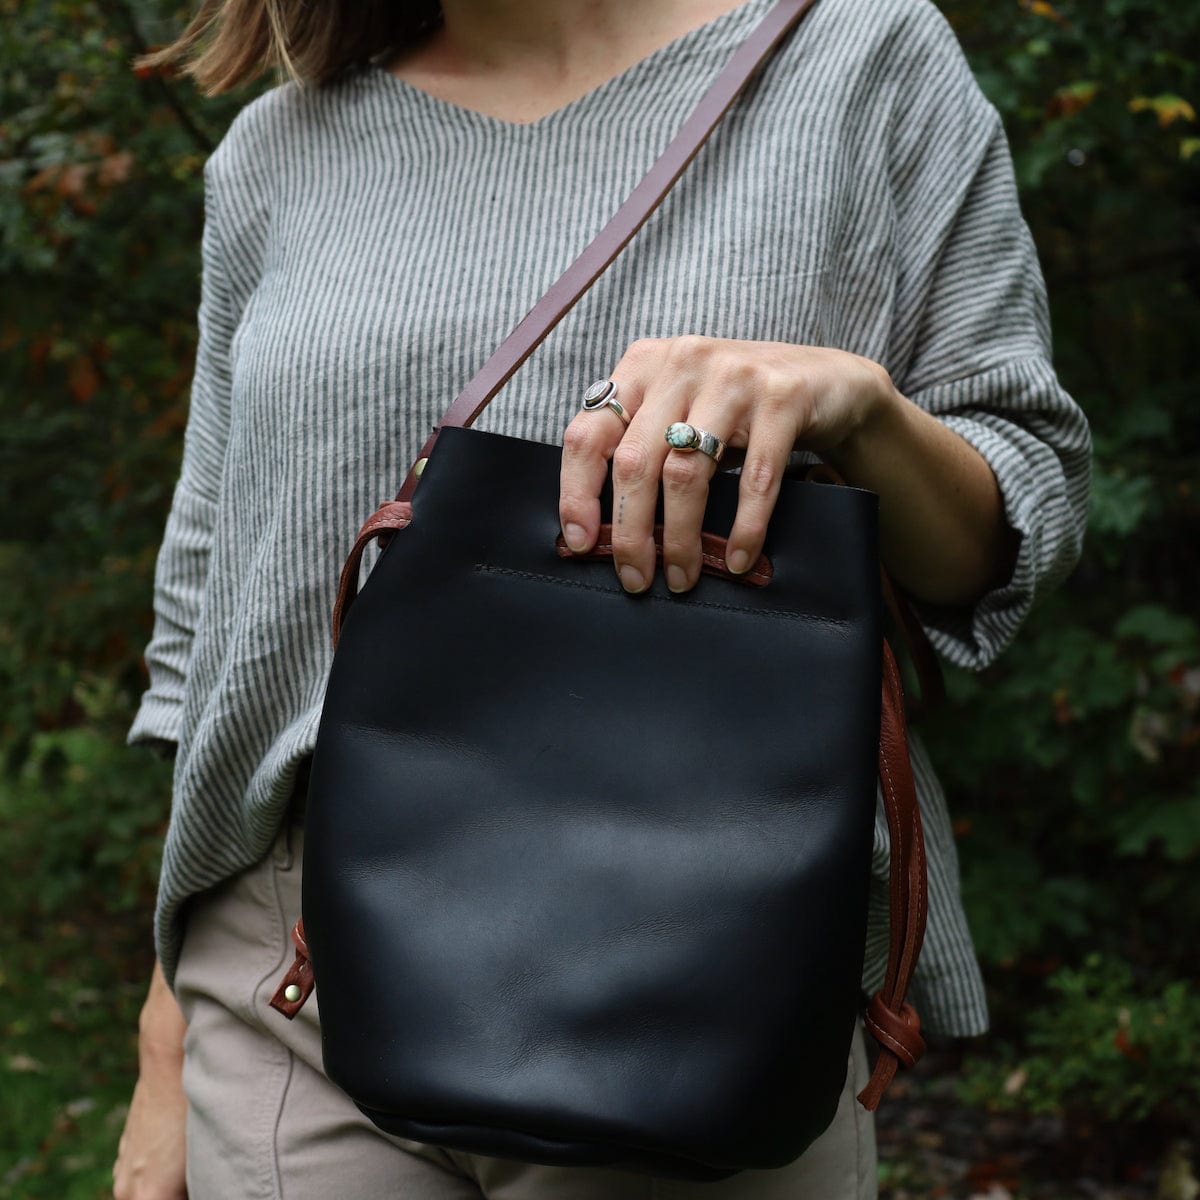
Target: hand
<point>764,397</point>
<point>150,1155</point>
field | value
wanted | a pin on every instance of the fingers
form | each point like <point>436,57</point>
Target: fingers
<point>588,444</point>
<point>721,388</point>
<point>758,491</point>
<point>594,438</point>
<point>740,403</point>
<point>638,466</point>
<point>767,435</point>
<point>685,479</point>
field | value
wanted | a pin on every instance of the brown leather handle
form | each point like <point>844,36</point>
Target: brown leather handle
<point>712,556</point>
<point>381,524</point>
<point>616,235</point>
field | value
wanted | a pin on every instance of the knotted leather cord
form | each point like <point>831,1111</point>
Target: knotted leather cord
<point>891,1021</point>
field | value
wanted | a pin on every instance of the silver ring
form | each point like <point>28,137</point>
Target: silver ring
<point>682,436</point>
<point>603,394</point>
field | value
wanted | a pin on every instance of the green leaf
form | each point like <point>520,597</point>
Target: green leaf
<point>1159,626</point>
<point>1173,824</point>
<point>1119,502</point>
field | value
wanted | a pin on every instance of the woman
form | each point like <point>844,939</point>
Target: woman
<point>843,269</point>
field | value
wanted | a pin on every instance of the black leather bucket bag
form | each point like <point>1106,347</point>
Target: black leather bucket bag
<point>586,874</point>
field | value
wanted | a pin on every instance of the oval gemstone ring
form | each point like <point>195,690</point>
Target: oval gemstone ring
<point>682,436</point>
<point>603,394</point>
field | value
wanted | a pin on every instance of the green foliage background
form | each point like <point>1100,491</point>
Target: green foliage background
<point>1072,765</point>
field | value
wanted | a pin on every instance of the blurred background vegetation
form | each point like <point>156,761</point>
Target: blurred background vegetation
<point>1072,765</point>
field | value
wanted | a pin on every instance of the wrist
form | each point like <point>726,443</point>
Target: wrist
<point>877,410</point>
<point>161,1025</point>
<point>160,1043</point>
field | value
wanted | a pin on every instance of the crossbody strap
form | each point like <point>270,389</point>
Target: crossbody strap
<point>615,236</point>
<point>889,1018</point>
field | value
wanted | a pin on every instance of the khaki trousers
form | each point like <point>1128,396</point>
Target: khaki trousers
<point>265,1124</point>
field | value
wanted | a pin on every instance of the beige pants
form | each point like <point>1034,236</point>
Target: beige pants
<point>265,1124</point>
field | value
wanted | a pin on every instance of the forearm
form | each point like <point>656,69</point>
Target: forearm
<point>943,533</point>
<point>151,1155</point>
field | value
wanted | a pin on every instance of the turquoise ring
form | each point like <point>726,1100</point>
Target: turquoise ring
<point>682,436</point>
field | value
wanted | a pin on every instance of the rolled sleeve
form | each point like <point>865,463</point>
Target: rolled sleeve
<point>1035,440</point>
<point>971,345</point>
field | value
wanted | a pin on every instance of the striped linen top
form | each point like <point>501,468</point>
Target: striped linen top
<point>367,245</point>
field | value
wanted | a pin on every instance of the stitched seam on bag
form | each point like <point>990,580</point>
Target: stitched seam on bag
<point>807,618</point>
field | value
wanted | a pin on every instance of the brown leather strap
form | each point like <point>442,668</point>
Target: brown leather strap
<point>889,1018</point>
<point>381,524</point>
<point>297,985</point>
<point>615,236</point>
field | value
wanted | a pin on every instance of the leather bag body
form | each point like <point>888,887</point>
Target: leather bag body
<point>586,874</point>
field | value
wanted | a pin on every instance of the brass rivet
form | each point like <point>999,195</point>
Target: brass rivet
<point>291,993</point>
<point>419,467</point>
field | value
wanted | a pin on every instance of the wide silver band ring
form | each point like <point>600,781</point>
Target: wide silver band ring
<point>682,436</point>
<point>603,394</point>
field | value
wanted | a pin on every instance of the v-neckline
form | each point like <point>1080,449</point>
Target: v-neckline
<point>692,41</point>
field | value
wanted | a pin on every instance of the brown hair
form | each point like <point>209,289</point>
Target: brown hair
<point>230,42</point>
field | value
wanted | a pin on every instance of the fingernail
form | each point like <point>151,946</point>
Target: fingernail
<point>576,537</point>
<point>631,579</point>
<point>738,561</point>
<point>677,579</point>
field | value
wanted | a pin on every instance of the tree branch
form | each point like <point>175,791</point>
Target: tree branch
<point>119,11</point>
